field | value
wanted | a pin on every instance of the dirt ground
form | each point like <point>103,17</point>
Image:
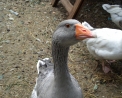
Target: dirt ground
<point>26,37</point>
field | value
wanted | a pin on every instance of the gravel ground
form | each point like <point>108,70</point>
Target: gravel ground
<point>26,37</point>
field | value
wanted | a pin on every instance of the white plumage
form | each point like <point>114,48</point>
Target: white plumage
<point>115,12</point>
<point>107,44</point>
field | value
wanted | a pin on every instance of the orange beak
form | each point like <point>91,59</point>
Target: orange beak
<point>82,32</point>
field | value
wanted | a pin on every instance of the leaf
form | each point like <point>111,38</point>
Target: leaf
<point>95,87</point>
<point>19,77</point>
<point>1,77</point>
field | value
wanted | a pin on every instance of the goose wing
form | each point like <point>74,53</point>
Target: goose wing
<point>44,70</point>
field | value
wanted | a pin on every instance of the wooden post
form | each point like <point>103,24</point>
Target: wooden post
<point>75,8</point>
<point>72,9</point>
<point>67,5</point>
<point>54,3</point>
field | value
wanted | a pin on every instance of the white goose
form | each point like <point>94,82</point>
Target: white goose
<point>106,46</point>
<point>56,81</point>
<point>115,12</point>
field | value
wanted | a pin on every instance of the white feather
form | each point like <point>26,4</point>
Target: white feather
<point>86,25</point>
<point>34,92</point>
<point>115,12</point>
<point>106,45</point>
<point>40,62</point>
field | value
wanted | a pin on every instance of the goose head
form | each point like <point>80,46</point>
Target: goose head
<point>69,32</point>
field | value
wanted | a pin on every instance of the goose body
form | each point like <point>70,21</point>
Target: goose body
<point>47,88</point>
<point>115,12</point>
<point>107,44</point>
<point>54,80</point>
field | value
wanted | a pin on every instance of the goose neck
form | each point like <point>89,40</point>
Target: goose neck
<point>60,55</point>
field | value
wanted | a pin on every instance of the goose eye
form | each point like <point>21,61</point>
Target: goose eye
<point>67,25</point>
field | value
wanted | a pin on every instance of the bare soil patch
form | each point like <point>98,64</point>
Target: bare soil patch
<point>25,38</point>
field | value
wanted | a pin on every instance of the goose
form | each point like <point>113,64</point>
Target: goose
<point>115,12</point>
<point>106,44</point>
<point>54,80</point>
